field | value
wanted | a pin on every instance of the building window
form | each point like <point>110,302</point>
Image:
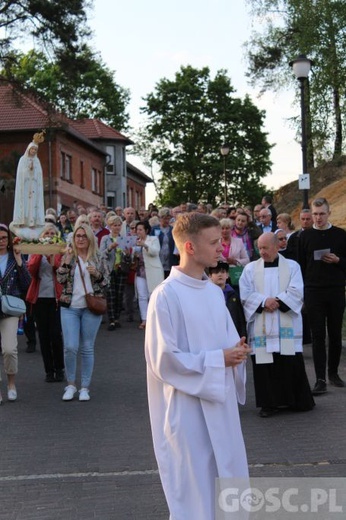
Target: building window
<point>110,166</point>
<point>138,199</point>
<point>99,183</point>
<point>82,180</point>
<point>111,199</point>
<point>96,181</point>
<point>66,167</point>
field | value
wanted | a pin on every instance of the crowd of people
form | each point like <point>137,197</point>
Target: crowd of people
<point>211,287</point>
<point>135,251</point>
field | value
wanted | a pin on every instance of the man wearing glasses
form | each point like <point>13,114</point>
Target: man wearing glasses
<point>267,224</point>
<point>322,256</point>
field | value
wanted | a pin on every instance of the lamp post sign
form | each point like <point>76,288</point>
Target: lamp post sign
<point>304,181</point>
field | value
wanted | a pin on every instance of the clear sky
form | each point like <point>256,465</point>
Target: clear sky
<point>146,40</point>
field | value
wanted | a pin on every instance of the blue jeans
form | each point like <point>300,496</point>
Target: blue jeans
<point>79,329</point>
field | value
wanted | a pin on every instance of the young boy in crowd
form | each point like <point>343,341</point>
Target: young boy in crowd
<point>219,276</point>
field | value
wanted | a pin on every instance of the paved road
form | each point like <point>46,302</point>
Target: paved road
<point>94,460</point>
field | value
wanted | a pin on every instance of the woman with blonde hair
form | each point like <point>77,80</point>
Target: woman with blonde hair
<point>234,252</point>
<point>82,261</point>
<point>284,222</point>
<point>119,262</point>
<point>82,219</point>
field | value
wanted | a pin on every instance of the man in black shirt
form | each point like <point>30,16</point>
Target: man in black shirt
<point>305,218</point>
<point>292,249</point>
<point>322,257</point>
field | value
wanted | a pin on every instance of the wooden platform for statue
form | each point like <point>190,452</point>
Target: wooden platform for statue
<point>41,249</point>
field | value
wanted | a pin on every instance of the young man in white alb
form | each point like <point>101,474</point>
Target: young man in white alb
<point>196,376</point>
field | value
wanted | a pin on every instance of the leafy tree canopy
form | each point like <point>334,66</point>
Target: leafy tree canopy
<point>188,119</point>
<point>62,23</point>
<point>316,28</point>
<point>90,93</point>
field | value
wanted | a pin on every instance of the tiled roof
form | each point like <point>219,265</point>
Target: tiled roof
<point>19,111</point>
<point>95,129</point>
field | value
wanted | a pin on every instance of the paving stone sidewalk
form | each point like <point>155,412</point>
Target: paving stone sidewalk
<point>94,460</point>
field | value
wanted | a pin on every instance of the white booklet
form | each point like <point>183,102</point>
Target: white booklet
<point>318,253</point>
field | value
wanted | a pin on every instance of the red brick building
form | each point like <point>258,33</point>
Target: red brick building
<point>82,161</point>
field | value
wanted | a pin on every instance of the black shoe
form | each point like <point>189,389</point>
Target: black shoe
<point>59,376</point>
<point>111,326</point>
<point>335,380</point>
<point>320,387</point>
<point>50,377</point>
<point>267,412</point>
<point>31,347</point>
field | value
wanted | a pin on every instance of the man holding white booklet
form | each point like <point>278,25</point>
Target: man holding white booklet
<point>322,257</point>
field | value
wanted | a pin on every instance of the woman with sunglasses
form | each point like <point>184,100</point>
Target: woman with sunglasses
<point>282,238</point>
<point>14,280</point>
<point>82,260</point>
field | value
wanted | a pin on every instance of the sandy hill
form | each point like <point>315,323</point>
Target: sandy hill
<point>329,181</point>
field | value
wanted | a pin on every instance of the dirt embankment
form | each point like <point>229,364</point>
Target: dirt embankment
<point>329,181</point>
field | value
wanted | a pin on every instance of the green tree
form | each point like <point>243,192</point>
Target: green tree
<point>55,25</point>
<point>90,93</point>
<point>316,28</point>
<point>188,119</point>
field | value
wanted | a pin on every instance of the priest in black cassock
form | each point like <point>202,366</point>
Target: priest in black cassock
<point>271,291</point>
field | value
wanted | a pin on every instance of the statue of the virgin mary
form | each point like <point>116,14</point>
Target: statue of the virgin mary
<point>28,214</point>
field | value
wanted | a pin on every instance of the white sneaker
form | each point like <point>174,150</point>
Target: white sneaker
<point>70,390</point>
<point>84,394</point>
<point>11,394</point>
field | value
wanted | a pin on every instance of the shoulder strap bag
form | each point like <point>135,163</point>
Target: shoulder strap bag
<point>96,304</point>
<point>11,305</point>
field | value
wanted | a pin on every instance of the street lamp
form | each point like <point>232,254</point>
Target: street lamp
<point>224,150</point>
<point>301,67</point>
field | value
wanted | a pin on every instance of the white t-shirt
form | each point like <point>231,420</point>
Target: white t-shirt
<point>78,295</point>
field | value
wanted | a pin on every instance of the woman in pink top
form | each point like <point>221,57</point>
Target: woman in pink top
<point>234,252</point>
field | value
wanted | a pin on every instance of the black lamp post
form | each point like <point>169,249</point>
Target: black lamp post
<point>301,67</point>
<point>224,150</point>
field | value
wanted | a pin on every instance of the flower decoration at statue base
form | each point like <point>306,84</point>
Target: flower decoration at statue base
<point>41,246</point>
